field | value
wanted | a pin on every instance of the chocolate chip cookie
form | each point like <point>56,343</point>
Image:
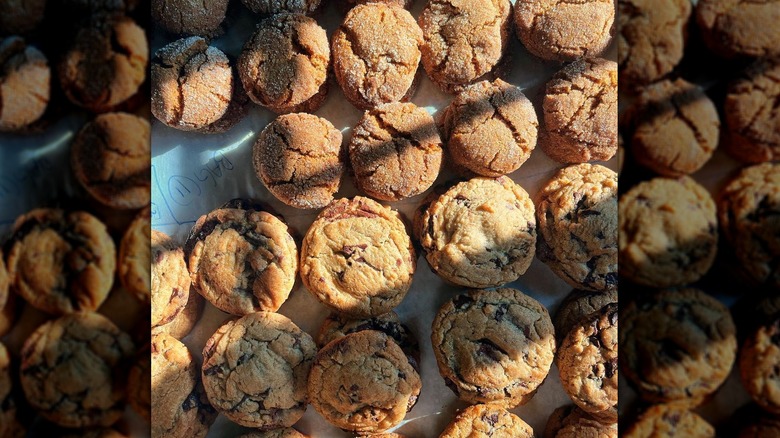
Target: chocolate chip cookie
<point>670,421</point>
<point>572,422</point>
<point>357,258</point>
<point>493,346</point>
<point>733,28</point>
<point>677,345</point>
<point>183,323</point>
<point>487,420</point>
<point>668,233</point>
<point>170,281</point>
<point>491,128</point>
<point>578,228</point>
<point>255,370</point>
<point>287,432</point>
<point>188,17</point>
<point>480,233</point>
<point>242,261</point>
<point>73,370</point>
<point>135,257</point>
<point>578,305</point>
<point>272,7</point>
<point>299,159</point>
<point>26,76</point>
<point>758,365</point>
<point>376,52</point>
<point>363,383</point>
<point>61,262</point>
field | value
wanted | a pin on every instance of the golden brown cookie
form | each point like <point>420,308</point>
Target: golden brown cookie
<point>24,84</point>
<point>736,28</point>
<point>188,17</point>
<point>572,422</point>
<point>759,365</point>
<point>135,257</point>
<point>170,282</point>
<point>669,421</point>
<point>346,5</point>
<point>487,421</point>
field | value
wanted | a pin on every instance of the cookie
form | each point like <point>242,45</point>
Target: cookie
<point>753,129</point>
<point>8,313</point>
<point>192,84</point>
<point>675,128</point>
<point>577,305</point>
<point>493,346</point>
<point>255,370</point>
<point>73,370</point>
<point>480,233</point>
<point>189,18</point>
<point>61,262</point>
<point>651,39</point>
<point>578,228</point>
<point>182,324</point>
<point>487,420</point>
<point>242,261</point>
<point>491,128</point>
<point>5,282</point>
<point>139,385</point>
<point>732,29</point>
<point>758,365</point>
<point>135,257</point>
<point>748,208</point>
<point>668,233</point>
<point>572,422</point>
<point>272,7</point>
<point>170,281</point>
<point>299,159</point>
<point>7,406</point>
<point>395,151</point>
<point>564,31</point>
<point>463,41</point>
<point>105,64</point>
<point>580,112</point>
<point>376,51</point>
<point>363,383</point>
<point>336,327</point>
<point>346,5</point>
<point>284,64</point>
<point>663,342</point>
<point>287,432</point>
<point>18,18</point>
<point>357,258</point>
<point>669,421</point>
<point>25,77</point>
<point>761,426</point>
<point>179,405</point>
<point>588,363</point>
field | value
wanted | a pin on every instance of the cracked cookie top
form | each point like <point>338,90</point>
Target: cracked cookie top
<point>491,128</point>
<point>577,305</point>
<point>242,261</point>
<point>740,28</point>
<point>73,370</point>
<point>255,370</point>
<point>357,257</point>
<point>135,257</point>
<point>299,159</point>
<point>493,346</point>
<point>676,345</point>
<point>487,420</point>
<point>192,84</point>
<point>480,233</point>
<point>670,420</point>
<point>170,280</point>
<point>25,84</point>
<point>667,232</point>
<point>363,383</point>
<point>572,422</point>
<point>61,262</point>
<point>273,7</point>
<point>580,112</point>
<point>578,229</point>
<point>396,151</point>
<point>759,367</point>
<point>189,17</point>
<point>376,51</point>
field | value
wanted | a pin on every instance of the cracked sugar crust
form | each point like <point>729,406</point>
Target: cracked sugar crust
<point>676,128</point>
<point>192,84</point>
<point>464,39</point>
<point>668,232</point>
<point>255,370</point>
<point>287,432</point>
<point>480,233</point>
<point>493,346</point>
<point>180,408</point>
<point>73,370</point>
<point>170,280</point>
<point>110,158</point>
<point>752,113</point>
<point>272,7</point>
<point>572,422</point>
<point>577,305</point>
<point>749,213</point>
<point>357,258</point>
<point>580,108</point>
<point>363,383</point>
<point>563,30</point>
<point>588,363</point>
<point>299,159</point>
<point>189,17</point>
<point>651,39</point>
<point>135,257</point>
<point>491,128</point>
<point>759,365</point>
<point>18,17</point>
<point>740,28</point>
<point>24,84</point>
<point>669,420</point>
<point>182,324</point>
<point>106,63</point>
<point>676,345</point>
<point>395,151</point>
<point>345,5</point>
<point>61,262</point>
<point>284,65</point>
<point>578,226</point>
<point>376,52</point>
<point>242,261</point>
<point>487,420</point>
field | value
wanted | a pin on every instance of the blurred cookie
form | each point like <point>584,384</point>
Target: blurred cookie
<point>5,282</point>
<point>7,407</point>
<point>135,257</point>
<point>395,151</point>
<point>182,324</point>
<point>759,426</point>
<point>572,422</point>
<point>170,282</point>
<point>758,365</point>
<point>139,385</point>
<point>8,314</point>
<point>337,326</point>
<point>669,421</point>
<point>578,305</point>
<point>487,420</point>
<point>737,29</point>
<point>24,84</point>
<point>287,432</point>
<point>20,17</point>
<point>272,7</point>
<point>189,18</point>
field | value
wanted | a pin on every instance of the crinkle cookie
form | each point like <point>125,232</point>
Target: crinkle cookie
<point>170,280</point>
<point>25,79</point>
<point>759,361</point>
<point>669,421</point>
<point>189,17</point>
<point>135,257</point>
<point>572,422</point>
<point>738,28</point>
<point>487,421</point>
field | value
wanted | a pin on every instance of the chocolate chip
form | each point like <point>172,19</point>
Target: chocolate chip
<point>500,311</point>
<point>609,369</point>
<point>217,369</point>
<point>595,340</point>
<point>191,402</point>
<point>491,419</point>
<point>491,350</point>
<point>462,301</point>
